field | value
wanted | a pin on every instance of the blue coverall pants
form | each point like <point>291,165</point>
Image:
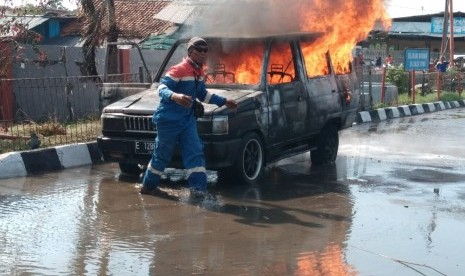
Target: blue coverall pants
<point>168,135</point>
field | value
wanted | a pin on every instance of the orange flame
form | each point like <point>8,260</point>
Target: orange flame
<point>239,64</point>
<point>343,23</point>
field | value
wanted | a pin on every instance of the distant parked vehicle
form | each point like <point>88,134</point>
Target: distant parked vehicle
<point>369,62</point>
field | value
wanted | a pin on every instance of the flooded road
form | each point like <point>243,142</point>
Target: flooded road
<point>393,204</point>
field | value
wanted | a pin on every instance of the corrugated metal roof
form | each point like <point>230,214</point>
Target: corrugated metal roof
<point>161,41</point>
<point>176,12</point>
<point>410,27</point>
<point>413,29</point>
<point>34,21</point>
<point>28,21</point>
<point>412,35</point>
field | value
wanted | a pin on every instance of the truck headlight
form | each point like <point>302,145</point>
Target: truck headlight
<point>220,125</point>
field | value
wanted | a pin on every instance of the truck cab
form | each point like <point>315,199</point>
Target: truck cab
<point>290,100</point>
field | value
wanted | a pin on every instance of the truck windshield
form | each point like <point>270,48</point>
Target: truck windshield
<point>229,62</point>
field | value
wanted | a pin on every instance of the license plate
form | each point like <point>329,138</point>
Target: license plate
<point>144,147</point>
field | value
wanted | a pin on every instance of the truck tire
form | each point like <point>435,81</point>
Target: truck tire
<point>327,146</point>
<point>250,162</point>
<point>129,169</point>
<point>249,165</point>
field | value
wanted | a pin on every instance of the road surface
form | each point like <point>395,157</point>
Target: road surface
<point>393,204</point>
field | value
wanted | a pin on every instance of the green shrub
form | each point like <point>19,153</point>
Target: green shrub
<point>398,77</point>
<point>429,98</point>
<point>451,96</point>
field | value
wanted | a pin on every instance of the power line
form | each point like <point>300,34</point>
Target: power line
<point>422,9</point>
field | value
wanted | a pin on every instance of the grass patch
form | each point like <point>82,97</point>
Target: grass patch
<point>16,137</point>
<point>405,99</point>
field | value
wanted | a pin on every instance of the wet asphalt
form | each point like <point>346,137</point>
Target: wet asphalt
<point>392,204</point>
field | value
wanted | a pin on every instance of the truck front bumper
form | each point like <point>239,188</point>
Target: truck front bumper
<point>217,154</point>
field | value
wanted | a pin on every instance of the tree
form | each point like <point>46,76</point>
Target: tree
<point>55,4</point>
<point>14,31</point>
<point>112,37</point>
<point>30,9</point>
<point>94,35</point>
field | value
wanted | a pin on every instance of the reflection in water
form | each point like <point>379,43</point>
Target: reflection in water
<point>328,262</point>
<point>293,223</point>
<point>262,206</point>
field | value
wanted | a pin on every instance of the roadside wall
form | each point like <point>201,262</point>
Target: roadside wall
<point>57,87</point>
<point>68,62</point>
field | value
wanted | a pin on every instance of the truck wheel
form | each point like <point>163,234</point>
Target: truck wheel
<point>249,163</point>
<point>129,169</point>
<point>327,146</point>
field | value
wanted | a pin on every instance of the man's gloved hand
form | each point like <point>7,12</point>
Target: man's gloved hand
<point>231,104</point>
<point>181,99</point>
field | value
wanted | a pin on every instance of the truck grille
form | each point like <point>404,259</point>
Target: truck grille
<point>139,123</point>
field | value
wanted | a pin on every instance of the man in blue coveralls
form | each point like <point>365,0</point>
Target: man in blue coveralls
<point>175,121</point>
<point>442,65</point>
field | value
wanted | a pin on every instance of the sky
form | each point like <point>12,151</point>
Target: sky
<point>70,4</point>
<point>401,8</point>
<point>395,8</point>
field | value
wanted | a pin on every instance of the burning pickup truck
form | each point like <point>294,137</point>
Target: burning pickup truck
<point>290,100</point>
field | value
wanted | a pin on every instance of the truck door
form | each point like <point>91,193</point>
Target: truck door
<point>324,100</point>
<point>287,94</point>
<point>349,94</point>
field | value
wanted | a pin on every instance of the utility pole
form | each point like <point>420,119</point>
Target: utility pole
<point>444,31</point>
<point>451,44</point>
<point>443,48</point>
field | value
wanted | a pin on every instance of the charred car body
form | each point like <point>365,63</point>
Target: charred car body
<point>289,101</point>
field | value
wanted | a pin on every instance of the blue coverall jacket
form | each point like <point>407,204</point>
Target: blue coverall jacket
<point>177,124</point>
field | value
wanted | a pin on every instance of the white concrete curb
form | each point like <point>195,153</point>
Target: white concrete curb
<point>15,164</point>
<point>383,114</point>
<point>73,155</point>
<point>11,165</point>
